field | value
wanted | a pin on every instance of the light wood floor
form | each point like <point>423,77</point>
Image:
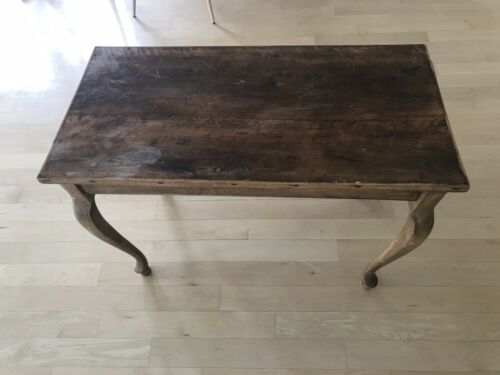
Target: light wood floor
<point>245,286</point>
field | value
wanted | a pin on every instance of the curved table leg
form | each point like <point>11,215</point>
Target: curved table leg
<point>91,219</point>
<point>417,228</point>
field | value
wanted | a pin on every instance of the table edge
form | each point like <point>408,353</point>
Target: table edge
<point>255,184</point>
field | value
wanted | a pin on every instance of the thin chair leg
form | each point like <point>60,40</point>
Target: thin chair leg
<point>134,7</point>
<point>210,10</point>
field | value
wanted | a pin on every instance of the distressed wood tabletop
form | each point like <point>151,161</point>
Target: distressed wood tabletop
<point>336,115</point>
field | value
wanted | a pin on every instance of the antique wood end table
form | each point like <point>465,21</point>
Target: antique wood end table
<point>353,122</point>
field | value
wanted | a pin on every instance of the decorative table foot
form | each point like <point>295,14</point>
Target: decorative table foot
<point>370,280</point>
<point>417,228</point>
<point>91,219</point>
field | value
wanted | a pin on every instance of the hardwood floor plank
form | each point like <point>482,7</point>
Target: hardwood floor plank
<point>438,373</point>
<point>441,274</point>
<point>21,160</point>
<point>304,274</point>
<point>390,299</point>
<point>64,211</point>
<point>271,209</point>
<point>66,298</point>
<point>464,51</point>
<point>49,274</point>
<point>443,36</point>
<point>135,230</point>
<point>124,371</point>
<point>469,68</point>
<point>233,371</point>
<point>423,355</point>
<point>322,229</point>
<point>53,252</point>
<point>488,228</point>
<point>401,7</point>
<point>481,152</point>
<point>492,169</point>
<point>483,136</point>
<point>74,352</point>
<point>236,273</point>
<point>49,324</point>
<point>10,194</point>
<point>432,250</point>
<point>464,94</point>
<point>25,370</point>
<point>187,324</point>
<point>372,38</point>
<point>456,208</point>
<point>171,251</point>
<point>248,353</point>
<point>408,23</point>
<point>472,107</point>
<point>369,228</point>
<point>388,326</point>
<point>460,80</point>
<point>316,250</point>
<point>464,122</point>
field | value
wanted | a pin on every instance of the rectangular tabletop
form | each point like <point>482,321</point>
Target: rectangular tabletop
<point>335,116</point>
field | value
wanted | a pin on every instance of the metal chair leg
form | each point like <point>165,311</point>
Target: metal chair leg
<point>210,10</point>
<point>134,6</point>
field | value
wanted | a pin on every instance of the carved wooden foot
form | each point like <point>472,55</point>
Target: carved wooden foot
<point>417,228</point>
<point>89,216</point>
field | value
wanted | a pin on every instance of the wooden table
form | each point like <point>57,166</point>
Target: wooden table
<point>363,122</point>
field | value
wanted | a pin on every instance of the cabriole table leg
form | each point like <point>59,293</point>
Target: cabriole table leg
<point>417,228</point>
<point>91,219</point>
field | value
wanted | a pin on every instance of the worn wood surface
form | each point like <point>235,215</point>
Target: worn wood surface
<point>245,188</point>
<point>342,116</point>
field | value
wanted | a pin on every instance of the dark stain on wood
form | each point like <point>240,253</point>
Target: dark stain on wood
<point>366,115</point>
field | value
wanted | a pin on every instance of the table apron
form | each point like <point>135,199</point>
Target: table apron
<point>292,192</point>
